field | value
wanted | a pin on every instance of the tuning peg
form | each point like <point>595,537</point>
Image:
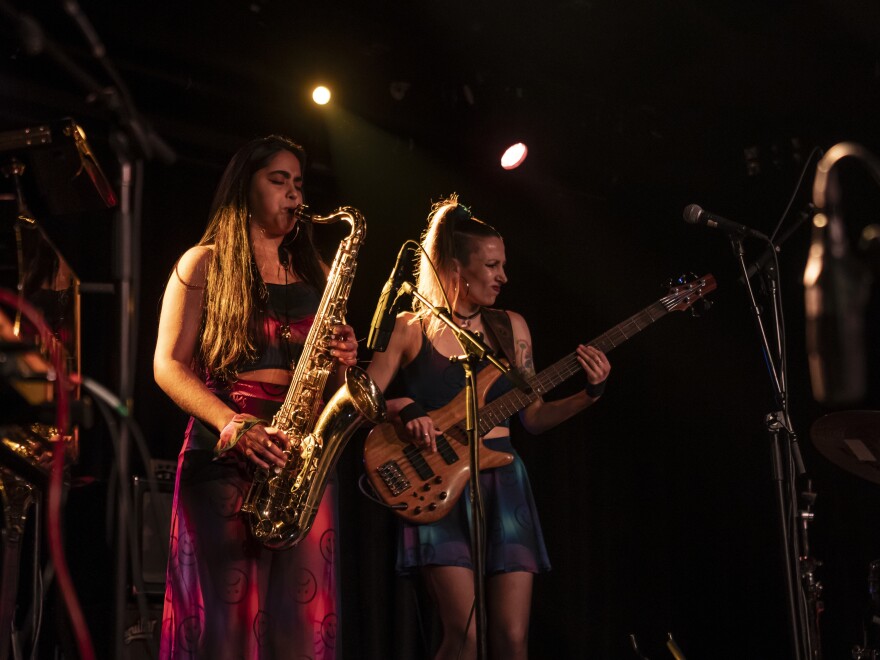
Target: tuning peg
<point>684,278</point>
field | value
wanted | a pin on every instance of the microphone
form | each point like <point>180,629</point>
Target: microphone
<point>694,215</point>
<point>386,311</point>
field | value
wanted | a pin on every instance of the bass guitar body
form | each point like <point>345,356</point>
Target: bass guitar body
<point>422,486</point>
<point>419,485</point>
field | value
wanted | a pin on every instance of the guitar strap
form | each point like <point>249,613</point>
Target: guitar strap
<point>497,323</point>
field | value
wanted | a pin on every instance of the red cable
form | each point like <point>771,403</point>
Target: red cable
<point>56,480</point>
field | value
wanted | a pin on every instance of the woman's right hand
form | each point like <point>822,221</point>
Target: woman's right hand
<point>420,431</point>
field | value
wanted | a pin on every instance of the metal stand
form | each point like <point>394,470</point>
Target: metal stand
<point>16,497</point>
<point>478,532</point>
<point>787,465</point>
<point>474,350</point>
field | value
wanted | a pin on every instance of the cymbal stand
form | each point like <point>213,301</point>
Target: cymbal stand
<point>808,565</point>
<point>474,350</point>
<point>868,649</point>
<point>786,459</point>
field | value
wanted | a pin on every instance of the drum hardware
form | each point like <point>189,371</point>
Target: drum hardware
<point>868,649</point>
<point>851,440</point>
<point>14,170</point>
<point>16,497</point>
<point>812,588</point>
<point>65,169</point>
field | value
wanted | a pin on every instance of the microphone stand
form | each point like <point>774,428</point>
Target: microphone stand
<point>474,350</point>
<point>784,462</point>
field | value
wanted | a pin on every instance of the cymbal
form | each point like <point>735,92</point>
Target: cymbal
<point>850,440</point>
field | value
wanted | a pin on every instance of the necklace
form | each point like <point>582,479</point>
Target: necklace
<point>466,320</point>
<point>284,328</point>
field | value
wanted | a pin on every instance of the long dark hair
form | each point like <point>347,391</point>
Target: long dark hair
<point>233,281</point>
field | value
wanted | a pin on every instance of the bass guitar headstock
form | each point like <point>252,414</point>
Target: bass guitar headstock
<point>689,292</point>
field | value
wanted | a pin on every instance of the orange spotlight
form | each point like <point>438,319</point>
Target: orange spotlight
<point>514,156</point>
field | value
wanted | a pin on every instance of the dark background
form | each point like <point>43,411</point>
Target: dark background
<point>657,505</point>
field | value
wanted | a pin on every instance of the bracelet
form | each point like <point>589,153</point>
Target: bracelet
<point>412,411</point>
<point>595,390</point>
<point>233,432</point>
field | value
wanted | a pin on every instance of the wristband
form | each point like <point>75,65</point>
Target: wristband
<point>595,390</point>
<point>410,412</point>
<point>233,431</point>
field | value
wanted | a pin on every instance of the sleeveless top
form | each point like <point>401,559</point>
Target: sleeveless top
<point>433,381</point>
<point>290,308</point>
<point>293,304</point>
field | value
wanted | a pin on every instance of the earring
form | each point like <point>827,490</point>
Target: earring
<point>251,221</point>
<point>467,287</point>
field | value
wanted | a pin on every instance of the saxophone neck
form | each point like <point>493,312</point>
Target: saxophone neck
<point>347,213</point>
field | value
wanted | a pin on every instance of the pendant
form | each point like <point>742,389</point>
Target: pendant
<point>284,331</point>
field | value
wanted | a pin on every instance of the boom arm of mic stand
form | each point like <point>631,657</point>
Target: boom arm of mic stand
<point>777,382</point>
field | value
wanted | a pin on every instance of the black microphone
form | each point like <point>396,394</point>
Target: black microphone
<point>386,311</point>
<point>694,215</point>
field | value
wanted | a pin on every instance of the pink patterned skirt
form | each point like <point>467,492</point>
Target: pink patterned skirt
<point>227,596</point>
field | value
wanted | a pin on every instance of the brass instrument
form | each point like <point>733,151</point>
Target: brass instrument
<point>282,502</point>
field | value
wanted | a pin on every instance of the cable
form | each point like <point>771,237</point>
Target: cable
<point>58,376</point>
<point>104,407</point>
<point>795,192</point>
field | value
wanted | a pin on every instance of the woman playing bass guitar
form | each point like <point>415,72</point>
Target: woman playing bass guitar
<point>470,259</point>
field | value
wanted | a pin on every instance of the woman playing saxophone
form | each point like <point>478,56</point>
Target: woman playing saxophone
<point>236,311</point>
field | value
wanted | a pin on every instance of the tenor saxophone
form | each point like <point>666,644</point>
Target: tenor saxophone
<point>282,502</point>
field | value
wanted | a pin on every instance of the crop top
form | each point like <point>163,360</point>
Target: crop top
<point>290,312</point>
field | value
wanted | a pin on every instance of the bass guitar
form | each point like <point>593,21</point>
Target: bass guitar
<point>422,486</point>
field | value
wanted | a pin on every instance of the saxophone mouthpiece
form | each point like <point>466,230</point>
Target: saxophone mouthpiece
<point>302,213</point>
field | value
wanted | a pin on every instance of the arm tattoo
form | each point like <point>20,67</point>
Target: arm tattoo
<point>524,357</point>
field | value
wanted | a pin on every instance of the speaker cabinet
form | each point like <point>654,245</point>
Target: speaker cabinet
<point>152,510</point>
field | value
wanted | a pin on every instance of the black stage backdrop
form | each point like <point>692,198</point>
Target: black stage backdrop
<point>657,504</point>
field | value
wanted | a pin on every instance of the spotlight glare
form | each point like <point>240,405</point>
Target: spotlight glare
<point>321,95</point>
<point>514,156</point>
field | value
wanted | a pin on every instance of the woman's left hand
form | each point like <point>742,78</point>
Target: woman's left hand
<point>594,363</point>
<point>343,345</point>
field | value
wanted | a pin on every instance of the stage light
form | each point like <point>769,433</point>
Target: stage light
<point>321,95</point>
<point>514,156</point>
